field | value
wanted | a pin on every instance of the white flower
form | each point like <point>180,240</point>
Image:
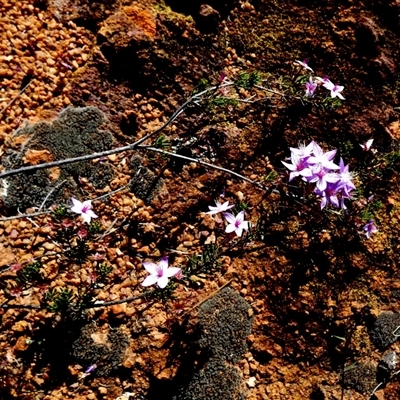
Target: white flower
<point>159,273</point>
<point>367,145</point>
<point>220,208</point>
<point>236,224</point>
<point>303,64</point>
<point>335,89</point>
<point>84,209</point>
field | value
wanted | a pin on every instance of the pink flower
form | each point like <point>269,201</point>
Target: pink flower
<point>236,224</point>
<point>370,228</point>
<point>159,273</point>
<point>304,64</point>
<point>310,87</point>
<point>84,209</point>
<point>219,208</point>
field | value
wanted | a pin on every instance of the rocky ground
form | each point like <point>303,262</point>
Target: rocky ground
<point>304,307</point>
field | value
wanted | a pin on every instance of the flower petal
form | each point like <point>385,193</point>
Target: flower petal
<point>163,264</point>
<point>151,268</point>
<point>162,281</point>
<point>239,231</point>
<point>230,218</point>
<point>76,202</point>
<point>230,228</point>
<point>240,217</point>
<point>172,271</point>
<point>150,280</point>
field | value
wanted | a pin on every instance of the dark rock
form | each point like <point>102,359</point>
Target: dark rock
<point>386,366</point>
<point>208,19</point>
<point>369,37</point>
<point>87,13</point>
<point>225,320</point>
<point>145,184</point>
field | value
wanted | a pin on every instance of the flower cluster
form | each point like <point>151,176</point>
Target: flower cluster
<point>236,223</point>
<point>333,182</point>
<point>312,84</point>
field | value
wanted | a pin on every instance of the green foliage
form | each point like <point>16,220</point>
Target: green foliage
<point>203,84</point>
<point>161,142</point>
<point>95,227</point>
<point>206,261</point>
<point>102,272</point>
<point>59,300</point>
<point>302,79</point>
<point>241,206</point>
<point>166,293</point>
<point>220,101</point>
<point>331,104</point>
<point>391,159</point>
<point>29,273</point>
<point>345,149</point>
<point>271,177</point>
<point>247,80</point>
<point>369,212</point>
<point>60,212</point>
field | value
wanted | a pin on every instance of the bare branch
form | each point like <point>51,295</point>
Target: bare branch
<point>206,164</point>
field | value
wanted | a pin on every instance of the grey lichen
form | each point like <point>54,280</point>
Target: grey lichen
<point>75,132</point>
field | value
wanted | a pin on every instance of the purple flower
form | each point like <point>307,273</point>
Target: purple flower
<point>329,195</point>
<point>90,369</point>
<point>346,177</point>
<point>304,64</point>
<point>322,176</point>
<point>159,273</point>
<point>310,87</point>
<point>370,228</point>
<point>303,150</point>
<point>321,158</point>
<point>236,223</point>
<point>323,80</point>
<point>298,167</point>
<point>219,208</point>
<point>84,209</point>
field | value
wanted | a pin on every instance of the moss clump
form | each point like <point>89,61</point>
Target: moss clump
<point>225,323</point>
<point>382,331</point>
<point>106,350</point>
<point>361,377</point>
<point>216,381</point>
